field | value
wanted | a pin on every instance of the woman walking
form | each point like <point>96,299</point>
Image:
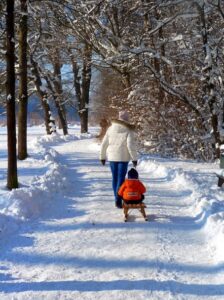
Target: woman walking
<point>119,147</point>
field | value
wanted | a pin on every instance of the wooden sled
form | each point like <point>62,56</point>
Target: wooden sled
<point>140,206</point>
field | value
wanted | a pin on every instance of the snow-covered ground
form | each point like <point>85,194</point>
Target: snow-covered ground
<point>62,238</point>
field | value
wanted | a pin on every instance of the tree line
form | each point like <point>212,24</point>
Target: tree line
<point>163,61</point>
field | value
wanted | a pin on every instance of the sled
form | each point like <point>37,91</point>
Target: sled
<point>140,206</point>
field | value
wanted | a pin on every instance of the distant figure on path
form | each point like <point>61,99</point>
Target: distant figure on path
<point>119,147</point>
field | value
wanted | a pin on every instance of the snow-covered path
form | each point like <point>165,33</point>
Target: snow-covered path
<point>82,249</point>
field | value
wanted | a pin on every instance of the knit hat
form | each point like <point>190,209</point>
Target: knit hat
<point>124,116</point>
<point>132,174</point>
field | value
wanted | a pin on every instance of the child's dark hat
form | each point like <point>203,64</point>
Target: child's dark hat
<point>132,174</point>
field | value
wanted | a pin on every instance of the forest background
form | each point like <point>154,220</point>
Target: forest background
<point>163,61</point>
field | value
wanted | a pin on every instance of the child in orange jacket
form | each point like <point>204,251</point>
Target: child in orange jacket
<point>132,189</point>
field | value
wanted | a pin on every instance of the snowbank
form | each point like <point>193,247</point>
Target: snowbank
<point>206,201</point>
<point>31,201</point>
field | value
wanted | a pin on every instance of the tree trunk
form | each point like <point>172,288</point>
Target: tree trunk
<point>85,88</point>
<point>49,122</point>
<point>82,86</point>
<point>12,179</point>
<point>23,95</point>
<point>209,82</point>
<point>62,120</point>
<point>77,78</point>
<point>59,94</point>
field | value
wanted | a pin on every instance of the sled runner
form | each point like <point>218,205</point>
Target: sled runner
<point>141,207</point>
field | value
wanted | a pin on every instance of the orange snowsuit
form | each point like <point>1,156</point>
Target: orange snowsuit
<point>131,189</point>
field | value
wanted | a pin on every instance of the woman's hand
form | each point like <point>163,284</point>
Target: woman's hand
<point>103,161</point>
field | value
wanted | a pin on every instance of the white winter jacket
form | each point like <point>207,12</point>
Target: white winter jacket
<point>119,143</point>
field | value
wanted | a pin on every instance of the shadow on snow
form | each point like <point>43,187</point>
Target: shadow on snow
<point>122,285</point>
